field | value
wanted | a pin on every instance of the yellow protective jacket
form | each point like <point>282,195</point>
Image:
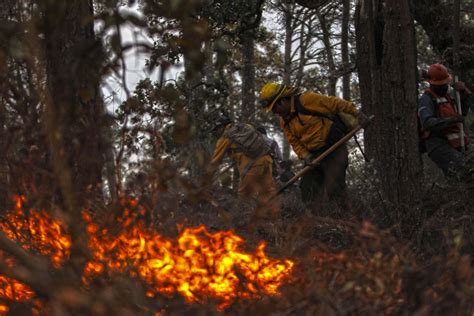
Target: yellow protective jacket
<point>310,132</point>
<point>257,184</point>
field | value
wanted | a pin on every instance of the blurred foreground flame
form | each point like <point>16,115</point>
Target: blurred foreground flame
<point>197,264</point>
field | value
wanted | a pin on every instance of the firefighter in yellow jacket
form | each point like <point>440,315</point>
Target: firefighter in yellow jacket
<point>251,153</point>
<point>312,123</point>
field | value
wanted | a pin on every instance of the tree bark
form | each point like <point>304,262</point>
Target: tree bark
<point>289,31</point>
<point>248,76</point>
<point>346,76</point>
<point>456,26</point>
<point>306,36</point>
<point>3,161</point>
<point>249,25</point>
<point>73,110</point>
<point>387,72</point>
<point>369,45</point>
<point>71,48</point>
<point>288,20</point>
<point>195,106</point>
<point>110,166</point>
<point>5,13</point>
<point>331,88</point>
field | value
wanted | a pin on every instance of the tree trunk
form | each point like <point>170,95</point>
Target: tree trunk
<point>3,161</point>
<point>346,76</point>
<point>302,55</point>
<point>456,27</point>
<point>110,166</point>
<point>248,28</point>
<point>248,76</point>
<point>369,45</point>
<point>331,88</point>
<point>71,48</point>
<point>288,18</point>
<point>306,36</point>
<point>195,107</point>
<point>73,109</point>
<point>5,12</point>
<point>387,72</point>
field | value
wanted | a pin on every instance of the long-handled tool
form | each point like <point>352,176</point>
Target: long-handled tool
<point>459,110</point>
<point>321,157</point>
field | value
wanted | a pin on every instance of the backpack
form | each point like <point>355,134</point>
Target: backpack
<point>250,142</point>
<point>339,123</point>
<point>339,127</point>
<point>439,112</point>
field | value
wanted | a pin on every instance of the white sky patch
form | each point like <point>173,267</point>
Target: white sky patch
<point>135,62</point>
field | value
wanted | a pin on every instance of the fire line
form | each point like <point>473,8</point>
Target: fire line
<point>198,265</point>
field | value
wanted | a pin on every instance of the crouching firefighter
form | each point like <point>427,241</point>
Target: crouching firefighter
<point>312,123</point>
<point>275,152</point>
<point>441,126</point>
<point>246,146</point>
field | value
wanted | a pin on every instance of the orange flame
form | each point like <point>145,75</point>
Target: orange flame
<point>35,231</point>
<point>198,264</point>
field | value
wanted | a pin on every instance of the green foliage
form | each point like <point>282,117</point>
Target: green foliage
<point>426,55</point>
<point>148,115</point>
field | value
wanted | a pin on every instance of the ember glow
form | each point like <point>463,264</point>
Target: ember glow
<point>199,265</point>
<point>35,231</point>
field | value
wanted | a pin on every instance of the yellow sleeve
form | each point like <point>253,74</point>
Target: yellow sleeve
<point>222,145</point>
<point>313,101</point>
<point>295,143</point>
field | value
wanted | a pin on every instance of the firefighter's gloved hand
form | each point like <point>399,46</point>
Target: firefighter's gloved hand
<point>461,87</point>
<point>308,159</point>
<point>364,120</point>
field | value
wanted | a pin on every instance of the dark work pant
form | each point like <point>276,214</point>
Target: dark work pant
<point>448,159</point>
<point>326,181</point>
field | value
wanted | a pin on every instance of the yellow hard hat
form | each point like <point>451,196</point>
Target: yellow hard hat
<point>272,92</point>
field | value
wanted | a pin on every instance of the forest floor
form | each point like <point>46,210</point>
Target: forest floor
<point>364,257</point>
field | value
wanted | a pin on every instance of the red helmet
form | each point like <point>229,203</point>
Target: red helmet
<point>438,75</point>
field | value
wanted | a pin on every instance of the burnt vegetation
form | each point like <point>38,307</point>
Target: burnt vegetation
<point>104,180</point>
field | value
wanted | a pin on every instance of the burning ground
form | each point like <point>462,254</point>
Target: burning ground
<point>129,267</point>
<point>198,265</point>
